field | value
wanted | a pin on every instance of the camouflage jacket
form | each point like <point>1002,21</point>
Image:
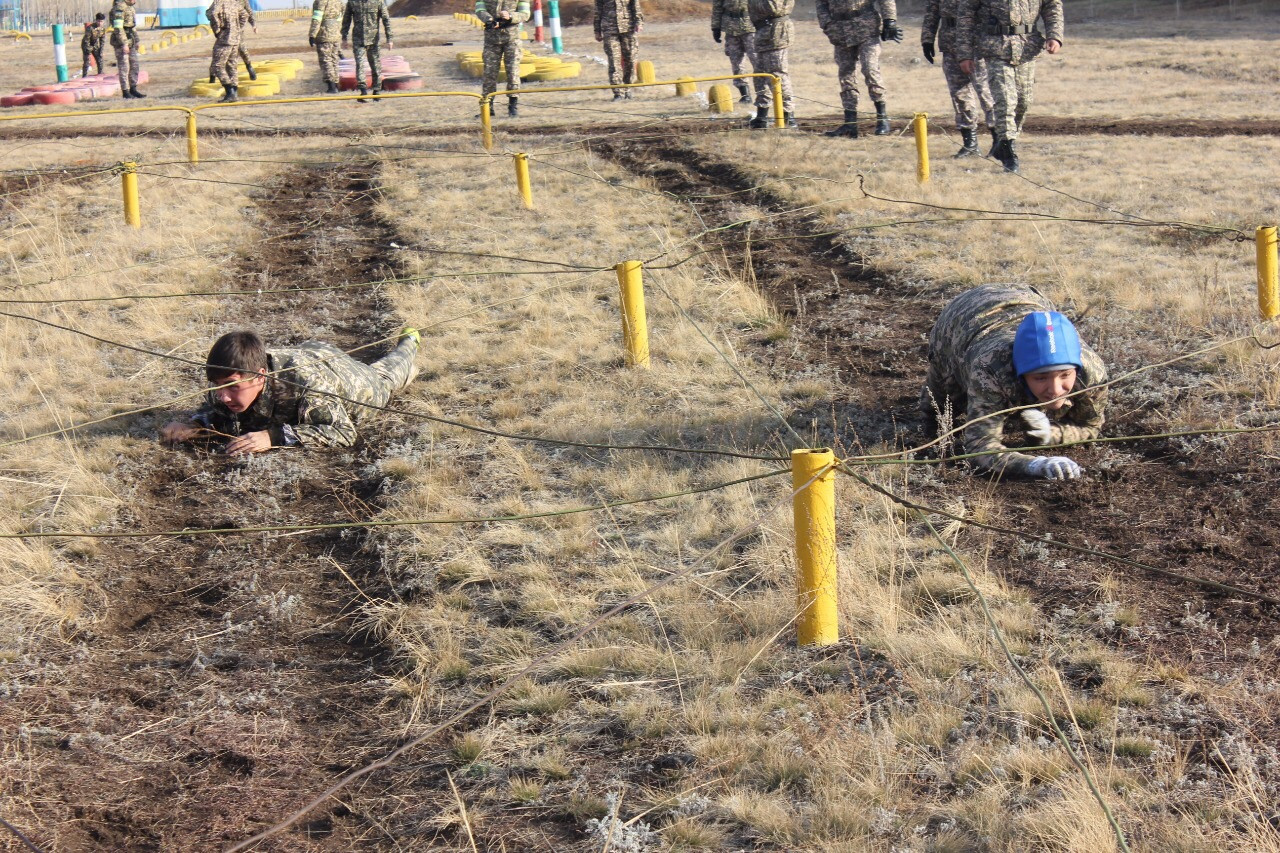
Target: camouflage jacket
<point>248,7</point>
<point>93,39</point>
<point>361,20</point>
<point>848,22</point>
<point>940,20</point>
<point>972,343</point>
<point>1005,29</point>
<point>326,20</point>
<point>731,17</point>
<point>227,19</point>
<point>617,17</point>
<point>123,22</point>
<point>488,10</point>
<point>296,405</point>
<point>772,20</point>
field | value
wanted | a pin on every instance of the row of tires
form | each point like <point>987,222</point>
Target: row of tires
<point>270,72</point>
<point>80,89</point>
<point>533,68</point>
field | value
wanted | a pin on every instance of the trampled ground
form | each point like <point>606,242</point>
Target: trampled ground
<point>186,692</point>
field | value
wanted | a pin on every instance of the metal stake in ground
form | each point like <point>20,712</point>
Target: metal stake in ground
<point>1268,273</point>
<point>814,504</point>
<point>635,326</point>
<point>129,187</point>
<point>921,126</point>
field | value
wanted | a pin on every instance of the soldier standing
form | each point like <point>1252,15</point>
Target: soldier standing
<point>244,54</point>
<point>361,20</point>
<point>856,28</point>
<point>968,91</point>
<point>1003,32</point>
<point>502,20</point>
<point>227,18</point>
<point>1001,346</point>
<point>92,43</point>
<point>774,31</point>
<point>326,32</point>
<point>617,24</point>
<point>731,19</point>
<point>124,40</point>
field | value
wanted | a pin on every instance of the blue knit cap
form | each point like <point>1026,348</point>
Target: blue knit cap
<point>1045,339</point>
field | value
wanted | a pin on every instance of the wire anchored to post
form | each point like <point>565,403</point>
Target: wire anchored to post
<point>635,327</point>
<point>814,504</point>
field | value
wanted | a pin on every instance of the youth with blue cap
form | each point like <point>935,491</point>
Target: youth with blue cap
<point>999,347</point>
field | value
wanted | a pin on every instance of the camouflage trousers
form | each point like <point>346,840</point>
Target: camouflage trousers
<point>127,64</point>
<point>97,59</point>
<point>388,374</point>
<point>620,49</point>
<point>969,94</point>
<point>368,60</point>
<point>847,58</point>
<point>501,45</point>
<point>327,53</point>
<point>774,62</point>
<point>224,64</point>
<point>736,47</point>
<point>1011,87</point>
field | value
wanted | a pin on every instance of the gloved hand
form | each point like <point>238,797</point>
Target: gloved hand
<point>311,41</point>
<point>890,31</point>
<point>1054,468</point>
<point>1038,426</point>
<point>715,34</point>
<point>928,51</point>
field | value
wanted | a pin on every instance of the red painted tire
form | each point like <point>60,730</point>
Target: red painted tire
<point>21,99</point>
<point>47,87</point>
<point>403,83</point>
<point>63,97</point>
<point>143,76</point>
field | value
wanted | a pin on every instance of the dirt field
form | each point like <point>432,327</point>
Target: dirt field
<point>183,692</point>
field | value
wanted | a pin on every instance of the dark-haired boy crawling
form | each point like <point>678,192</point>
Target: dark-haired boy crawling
<point>309,395</point>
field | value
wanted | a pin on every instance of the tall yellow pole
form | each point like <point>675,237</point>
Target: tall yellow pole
<point>1268,273</point>
<point>922,147</point>
<point>814,505</point>
<point>779,119</point>
<point>522,180</point>
<point>129,184</point>
<point>486,124</point>
<point>635,328</point>
<point>193,147</point>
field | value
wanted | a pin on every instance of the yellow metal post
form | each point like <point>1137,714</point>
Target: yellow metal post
<point>129,184</point>
<point>1268,273</point>
<point>921,125</point>
<point>522,180</point>
<point>193,146</point>
<point>486,124</point>
<point>635,328</point>
<point>814,504</point>
<point>779,120</point>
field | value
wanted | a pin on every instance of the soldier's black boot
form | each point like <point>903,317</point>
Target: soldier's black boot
<point>134,93</point>
<point>331,89</point>
<point>995,142</point>
<point>882,119</point>
<point>969,137</point>
<point>761,121</point>
<point>213,78</point>
<point>850,126</point>
<point>248,66</point>
<point>1011,163</point>
<point>744,94</point>
<point>789,121</point>
<point>364,90</point>
<point>513,106</point>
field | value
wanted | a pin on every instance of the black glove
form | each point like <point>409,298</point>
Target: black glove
<point>715,34</point>
<point>928,51</point>
<point>890,31</point>
<point>311,41</point>
<point>492,24</point>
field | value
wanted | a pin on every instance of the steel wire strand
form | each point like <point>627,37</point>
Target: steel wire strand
<point>1031,685</point>
<point>509,683</point>
<point>26,842</point>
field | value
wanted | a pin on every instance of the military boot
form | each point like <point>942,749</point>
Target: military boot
<point>513,106</point>
<point>229,94</point>
<point>969,137</point>
<point>761,121</point>
<point>789,120</point>
<point>850,126</point>
<point>744,94</point>
<point>995,142</point>
<point>882,119</point>
<point>331,88</point>
<point>1010,161</point>
<point>134,93</point>
<point>213,78</point>
<point>364,91</point>
<point>377,90</point>
<point>248,66</point>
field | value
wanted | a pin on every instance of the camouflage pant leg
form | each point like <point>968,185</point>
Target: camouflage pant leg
<point>847,58</point>
<point>511,56</point>
<point>224,64</point>
<point>736,47</point>
<point>982,88</point>
<point>394,370</point>
<point>492,59</point>
<point>774,62</point>
<point>620,50</point>
<point>374,52</point>
<point>1011,87</point>
<point>362,64</point>
<point>869,56</point>
<point>97,59</point>
<point>244,55</point>
<point>127,65</point>
<point>963,95</point>
<point>84,72</point>
<point>327,54</point>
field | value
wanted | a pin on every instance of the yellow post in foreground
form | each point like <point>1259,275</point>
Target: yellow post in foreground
<point>522,180</point>
<point>779,115</point>
<point>921,125</point>
<point>129,184</point>
<point>635,328</point>
<point>486,123</point>
<point>1268,273</point>
<point>813,480</point>
<point>193,146</point>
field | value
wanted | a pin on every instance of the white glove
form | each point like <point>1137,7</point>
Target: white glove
<point>1054,468</point>
<point>1038,426</point>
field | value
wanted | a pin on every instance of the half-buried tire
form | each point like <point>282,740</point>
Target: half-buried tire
<point>403,83</point>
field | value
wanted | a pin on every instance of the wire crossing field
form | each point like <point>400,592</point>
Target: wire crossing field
<point>548,602</point>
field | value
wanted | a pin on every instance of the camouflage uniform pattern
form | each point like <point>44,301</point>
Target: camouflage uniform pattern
<point>326,29</point>
<point>502,45</point>
<point>227,19</point>
<point>91,45</point>
<point>306,398</point>
<point>969,94</point>
<point>971,369</point>
<point>616,22</point>
<point>124,40</point>
<point>983,31</point>
<point>732,19</point>
<point>362,19</point>
<point>774,32</point>
<point>853,28</point>
<point>253,22</point>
